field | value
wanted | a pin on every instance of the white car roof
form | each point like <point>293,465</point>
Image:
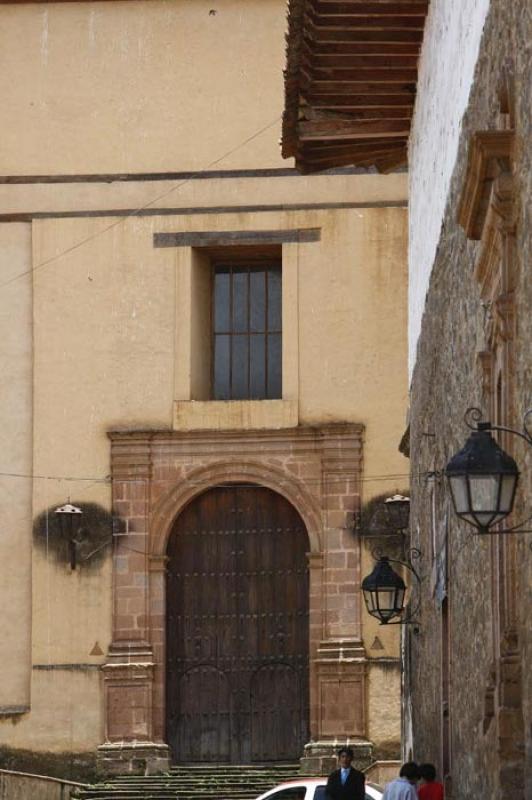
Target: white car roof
<point>371,790</point>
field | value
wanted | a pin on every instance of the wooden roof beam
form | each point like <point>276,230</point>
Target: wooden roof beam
<point>323,151</point>
<point>375,113</point>
<point>353,87</point>
<point>358,61</point>
<point>361,75</point>
<point>363,23</point>
<point>366,9</point>
<point>362,129</point>
<point>360,36</point>
<point>383,49</point>
<point>331,100</point>
<point>307,165</point>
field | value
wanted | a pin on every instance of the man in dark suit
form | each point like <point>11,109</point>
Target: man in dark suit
<point>346,783</point>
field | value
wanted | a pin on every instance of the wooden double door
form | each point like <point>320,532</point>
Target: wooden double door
<point>237,629</point>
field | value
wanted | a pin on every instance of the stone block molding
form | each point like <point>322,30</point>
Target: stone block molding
<point>155,475</point>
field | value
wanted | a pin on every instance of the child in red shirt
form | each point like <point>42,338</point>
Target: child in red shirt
<point>430,788</point>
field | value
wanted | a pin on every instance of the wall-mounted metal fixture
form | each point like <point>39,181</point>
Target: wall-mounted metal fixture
<point>70,517</point>
<point>483,477</point>
<point>398,513</point>
<point>384,516</point>
<point>384,590</point>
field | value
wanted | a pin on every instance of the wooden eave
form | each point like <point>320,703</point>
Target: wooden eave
<point>350,81</point>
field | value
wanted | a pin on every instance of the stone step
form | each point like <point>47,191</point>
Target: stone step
<point>210,789</point>
<point>194,782</point>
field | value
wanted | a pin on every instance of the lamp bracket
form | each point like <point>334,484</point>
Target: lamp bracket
<point>514,529</point>
<point>473,416</point>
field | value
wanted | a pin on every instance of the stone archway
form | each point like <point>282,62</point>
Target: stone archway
<point>157,474</point>
<point>170,504</point>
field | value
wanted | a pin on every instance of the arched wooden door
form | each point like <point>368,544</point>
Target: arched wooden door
<point>237,629</point>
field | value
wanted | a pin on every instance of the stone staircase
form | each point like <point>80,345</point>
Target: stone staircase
<point>193,782</point>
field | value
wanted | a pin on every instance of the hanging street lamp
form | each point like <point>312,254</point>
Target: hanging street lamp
<point>384,591</point>
<point>483,477</point>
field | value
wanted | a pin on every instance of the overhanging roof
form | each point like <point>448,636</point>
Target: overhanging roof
<point>350,81</point>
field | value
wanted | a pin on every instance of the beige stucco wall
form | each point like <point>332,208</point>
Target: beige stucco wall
<point>105,321</point>
<point>384,687</point>
<point>130,87</point>
<point>140,86</point>
<point>15,466</point>
<point>105,355</point>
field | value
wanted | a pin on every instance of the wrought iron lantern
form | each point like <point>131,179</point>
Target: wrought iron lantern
<point>384,592</point>
<point>68,514</point>
<point>483,477</point>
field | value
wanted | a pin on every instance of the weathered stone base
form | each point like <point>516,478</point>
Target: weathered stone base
<point>321,757</point>
<point>137,758</point>
<point>67,766</point>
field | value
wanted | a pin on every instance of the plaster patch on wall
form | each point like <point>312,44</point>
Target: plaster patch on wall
<point>449,55</point>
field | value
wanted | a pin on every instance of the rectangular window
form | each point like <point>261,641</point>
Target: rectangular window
<point>247,331</point>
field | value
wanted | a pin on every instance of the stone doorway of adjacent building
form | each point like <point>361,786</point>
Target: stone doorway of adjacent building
<point>237,634</point>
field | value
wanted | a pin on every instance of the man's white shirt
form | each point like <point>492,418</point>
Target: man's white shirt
<point>400,789</point>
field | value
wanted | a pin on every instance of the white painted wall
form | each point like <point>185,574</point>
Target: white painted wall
<point>447,64</point>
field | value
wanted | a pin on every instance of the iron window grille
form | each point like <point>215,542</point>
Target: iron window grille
<point>247,331</point>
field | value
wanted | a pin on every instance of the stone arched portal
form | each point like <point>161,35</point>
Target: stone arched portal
<point>155,475</point>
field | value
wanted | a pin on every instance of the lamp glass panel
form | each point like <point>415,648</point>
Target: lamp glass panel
<point>386,599</point>
<point>507,493</point>
<point>400,600</point>
<point>458,486</point>
<point>369,597</point>
<point>484,492</point>
<point>485,520</point>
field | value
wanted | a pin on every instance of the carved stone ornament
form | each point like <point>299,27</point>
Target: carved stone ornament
<point>490,155</point>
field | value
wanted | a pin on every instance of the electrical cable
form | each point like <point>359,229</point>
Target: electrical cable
<point>107,479</point>
<point>136,211</point>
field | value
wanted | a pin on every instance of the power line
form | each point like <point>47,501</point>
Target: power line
<point>136,211</point>
<point>107,479</point>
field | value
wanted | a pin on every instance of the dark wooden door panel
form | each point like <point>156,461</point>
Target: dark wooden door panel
<point>237,628</point>
<point>204,721</point>
<point>276,705</point>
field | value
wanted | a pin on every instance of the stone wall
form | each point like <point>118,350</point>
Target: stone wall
<point>488,716</point>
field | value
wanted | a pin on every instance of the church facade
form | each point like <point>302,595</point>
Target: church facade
<point>205,355</point>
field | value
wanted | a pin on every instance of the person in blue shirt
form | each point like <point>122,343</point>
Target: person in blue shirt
<point>346,783</point>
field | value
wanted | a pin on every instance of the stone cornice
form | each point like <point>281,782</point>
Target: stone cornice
<point>490,154</point>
